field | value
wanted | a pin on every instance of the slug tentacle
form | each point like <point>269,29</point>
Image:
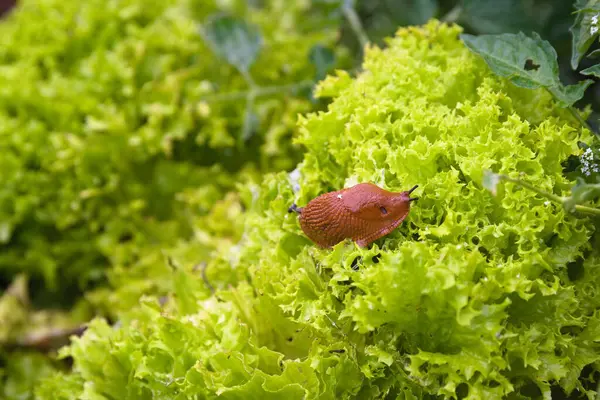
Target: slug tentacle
<point>363,213</point>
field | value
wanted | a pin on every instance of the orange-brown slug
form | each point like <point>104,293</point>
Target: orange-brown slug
<point>363,213</point>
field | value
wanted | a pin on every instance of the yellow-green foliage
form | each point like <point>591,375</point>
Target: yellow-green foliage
<point>113,114</point>
<point>474,296</point>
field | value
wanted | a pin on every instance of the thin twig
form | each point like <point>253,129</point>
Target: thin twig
<point>202,267</point>
<point>247,125</point>
<point>550,196</point>
<point>542,193</point>
<point>579,118</point>
<point>574,112</point>
<point>354,21</point>
<point>452,15</point>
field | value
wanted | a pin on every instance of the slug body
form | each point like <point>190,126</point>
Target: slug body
<point>363,213</point>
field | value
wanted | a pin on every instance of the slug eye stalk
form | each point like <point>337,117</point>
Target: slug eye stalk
<point>412,190</point>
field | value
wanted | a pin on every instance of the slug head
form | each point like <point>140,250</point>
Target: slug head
<point>371,203</point>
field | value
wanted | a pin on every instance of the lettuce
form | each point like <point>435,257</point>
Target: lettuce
<point>111,112</point>
<point>473,296</point>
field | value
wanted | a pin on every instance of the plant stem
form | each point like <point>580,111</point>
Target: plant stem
<point>575,113</point>
<point>246,74</point>
<point>453,14</point>
<point>587,210</point>
<point>579,118</point>
<point>550,196</point>
<point>247,127</point>
<point>354,21</point>
<point>529,186</point>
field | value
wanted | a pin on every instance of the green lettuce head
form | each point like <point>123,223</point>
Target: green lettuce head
<point>474,296</point>
<point>112,112</point>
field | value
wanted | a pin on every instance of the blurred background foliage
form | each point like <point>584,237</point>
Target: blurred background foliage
<point>125,129</point>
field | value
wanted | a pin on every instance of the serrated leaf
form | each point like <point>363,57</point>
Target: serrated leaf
<point>495,16</point>
<point>234,40</point>
<point>568,95</point>
<point>593,70</point>
<point>585,29</point>
<point>490,181</point>
<point>594,54</point>
<point>323,59</point>
<point>528,62</point>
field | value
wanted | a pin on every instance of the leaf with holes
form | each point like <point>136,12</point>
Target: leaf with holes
<point>528,62</point>
<point>234,40</point>
<point>585,28</point>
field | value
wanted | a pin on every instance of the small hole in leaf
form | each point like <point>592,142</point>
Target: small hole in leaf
<point>558,352</point>
<point>462,390</point>
<point>530,390</point>
<point>355,262</point>
<point>530,65</point>
<point>383,210</point>
<point>571,330</point>
<point>575,270</point>
<point>376,258</point>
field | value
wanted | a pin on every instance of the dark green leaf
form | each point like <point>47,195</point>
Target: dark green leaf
<point>509,54</point>
<point>527,62</point>
<point>568,95</point>
<point>585,28</point>
<point>582,193</point>
<point>323,59</point>
<point>234,40</point>
<point>496,16</point>
<point>594,71</point>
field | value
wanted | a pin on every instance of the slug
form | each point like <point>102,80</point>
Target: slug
<point>363,213</point>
